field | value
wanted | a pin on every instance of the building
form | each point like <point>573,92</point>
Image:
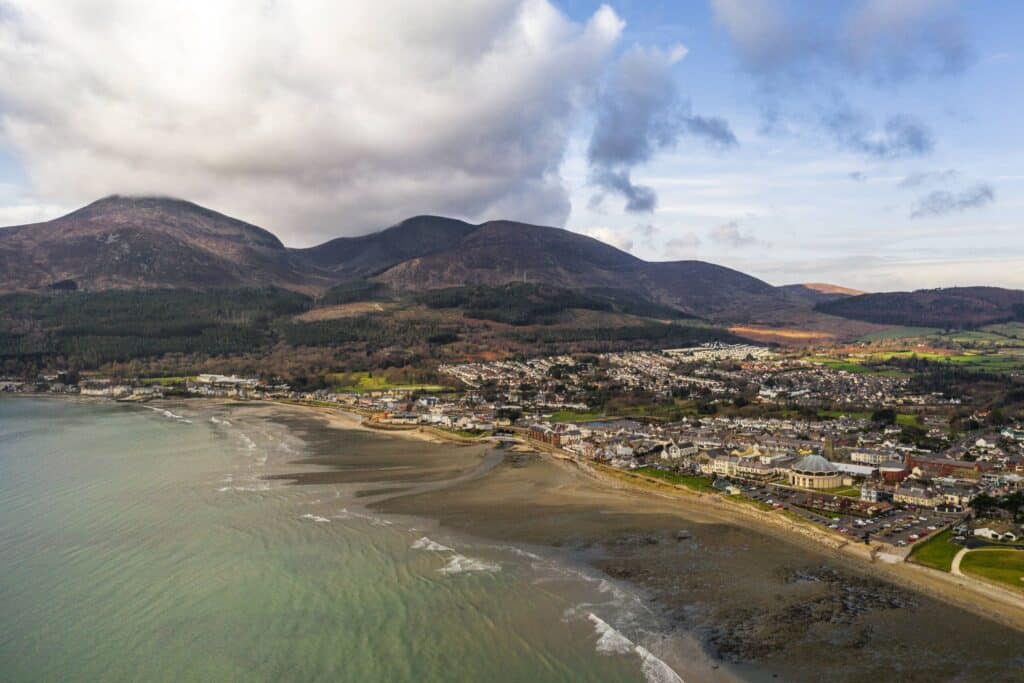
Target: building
<point>815,472</point>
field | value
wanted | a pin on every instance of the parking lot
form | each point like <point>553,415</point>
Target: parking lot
<point>900,528</point>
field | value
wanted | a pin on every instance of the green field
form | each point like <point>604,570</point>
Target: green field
<point>839,364</point>
<point>847,491</point>
<point>937,552</point>
<point>576,416</point>
<point>1002,566</point>
<point>687,480</point>
<point>164,381</point>
<point>362,382</point>
<point>901,333</point>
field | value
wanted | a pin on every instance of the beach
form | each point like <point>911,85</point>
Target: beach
<point>563,571</point>
<point>761,598</point>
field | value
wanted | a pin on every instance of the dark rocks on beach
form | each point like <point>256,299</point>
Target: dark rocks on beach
<point>683,535</point>
<point>836,603</point>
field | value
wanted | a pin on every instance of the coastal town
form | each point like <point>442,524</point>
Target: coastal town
<point>867,459</point>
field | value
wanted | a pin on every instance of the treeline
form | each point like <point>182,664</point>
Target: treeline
<point>374,331</point>
<point>87,329</point>
<point>351,291</point>
<point>535,304</point>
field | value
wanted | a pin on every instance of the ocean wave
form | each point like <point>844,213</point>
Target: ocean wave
<point>168,414</point>
<point>425,543</point>
<point>376,521</point>
<point>315,518</point>
<point>611,641</point>
<point>460,564</point>
<point>655,670</point>
<point>218,421</point>
<point>263,486</point>
<point>457,563</point>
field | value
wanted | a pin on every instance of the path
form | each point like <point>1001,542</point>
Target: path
<point>954,568</point>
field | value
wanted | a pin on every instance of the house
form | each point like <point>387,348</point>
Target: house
<point>996,534</point>
<point>921,497</point>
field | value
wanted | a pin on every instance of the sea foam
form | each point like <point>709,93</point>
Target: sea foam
<point>460,564</point>
<point>611,641</point>
<point>315,518</point>
<point>457,563</point>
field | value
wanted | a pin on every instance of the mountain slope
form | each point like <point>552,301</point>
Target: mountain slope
<point>819,292</point>
<point>349,257</point>
<point>500,252</point>
<point>145,242</point>
<point>952,307</point>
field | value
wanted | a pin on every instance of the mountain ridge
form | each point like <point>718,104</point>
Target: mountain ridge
<point>121,242</point>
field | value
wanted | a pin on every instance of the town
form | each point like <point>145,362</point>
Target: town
<point>867,458</point>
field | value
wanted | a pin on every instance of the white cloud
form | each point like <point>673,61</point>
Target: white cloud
<point>314,118</point>
<point>610,236</point>
<point>730,234</point>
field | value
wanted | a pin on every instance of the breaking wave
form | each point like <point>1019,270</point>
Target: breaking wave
<point>315,518</point>
<point>168,414</point>
<point>457,562</point>
<point>611,641</point>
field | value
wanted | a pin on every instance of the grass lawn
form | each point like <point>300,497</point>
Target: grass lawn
<point>848,491</point>
<point>835,414</point>
<point>907,420</point>
<point>901,333</point>
<point>576,416</point>
<point>837,364</point>
<point>164,381</point>
<point>687,480</point>
<point>937,552</point>
<point>1002,566</point>
<point>361,382</point>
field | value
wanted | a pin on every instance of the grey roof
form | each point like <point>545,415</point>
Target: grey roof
<point>814,464</point>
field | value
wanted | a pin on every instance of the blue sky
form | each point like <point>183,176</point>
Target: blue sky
<point>871,144</point>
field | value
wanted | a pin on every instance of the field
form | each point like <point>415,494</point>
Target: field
<point>937,552</point>
<point>362,382</point>
<point>689,481</point>
<point>840,364</point>
<point>846,491</point>
<point>164,381</point>
<point>1002,566</point>
<point>900,333</point>
<point>576,416</point>
<point>997,349</point>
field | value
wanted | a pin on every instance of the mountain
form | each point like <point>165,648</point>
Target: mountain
<point>352,257</point>
<point>147,242</point>
<point>499,252</point>
<point>953,307</point>
<point>154,242</point>
<point>163,243</point>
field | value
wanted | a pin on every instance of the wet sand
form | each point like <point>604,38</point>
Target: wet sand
<point>763,605</point>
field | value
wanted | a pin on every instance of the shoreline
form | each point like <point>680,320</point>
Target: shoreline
<point>981,599</point>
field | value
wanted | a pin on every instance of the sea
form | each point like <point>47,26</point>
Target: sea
<point>144,543</point>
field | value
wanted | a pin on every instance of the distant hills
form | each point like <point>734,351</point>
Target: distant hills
<point>163,243</point>
<point>951,307</point>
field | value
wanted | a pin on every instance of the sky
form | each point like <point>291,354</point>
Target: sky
<point>868,143</point>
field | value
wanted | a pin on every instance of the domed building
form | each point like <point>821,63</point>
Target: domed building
<point>815,472</point>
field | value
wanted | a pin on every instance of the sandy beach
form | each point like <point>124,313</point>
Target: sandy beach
<point>975,596</point>
<point>762,598</point>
